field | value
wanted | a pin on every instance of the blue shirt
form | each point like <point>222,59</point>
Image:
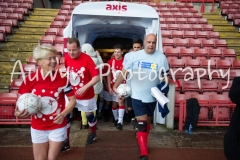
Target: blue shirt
<point>145,71</point>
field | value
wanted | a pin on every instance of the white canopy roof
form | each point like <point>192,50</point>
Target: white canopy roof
<point>92,20</point>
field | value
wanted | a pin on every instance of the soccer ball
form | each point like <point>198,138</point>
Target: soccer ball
<point>124,90</point>
<point>30,102</point>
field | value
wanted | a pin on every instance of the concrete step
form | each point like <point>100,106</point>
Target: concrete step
<point>25,38</point>
<point>19,47</point>
<point>5,82</point>
<point>35,24</point>
<point>233,42</point>
<point>227,28</point>
<point>218,22</point>
<point>45,11</point>
<point>38,18</point>
<point>7,67</point>
<point>213,16</point>
<point>13,56</point>
<point>236,48</point>
<point>228,35</point>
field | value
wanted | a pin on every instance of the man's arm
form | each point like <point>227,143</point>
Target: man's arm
<point>120,79</point>
<point>94,80</point>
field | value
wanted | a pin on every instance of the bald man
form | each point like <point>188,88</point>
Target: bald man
<point>146,69</point>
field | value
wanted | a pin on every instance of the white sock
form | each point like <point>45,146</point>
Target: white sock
<point>115,114</point>
<point>121,114</point>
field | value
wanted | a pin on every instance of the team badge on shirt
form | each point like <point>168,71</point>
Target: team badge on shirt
<point>147,65</point>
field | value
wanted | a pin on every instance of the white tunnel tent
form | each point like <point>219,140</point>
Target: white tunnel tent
<point>94,20</point>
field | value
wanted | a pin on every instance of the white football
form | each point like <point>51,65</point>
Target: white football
<point>124,90</point>
<point>30,102</point>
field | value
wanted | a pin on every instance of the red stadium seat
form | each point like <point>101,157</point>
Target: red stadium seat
<point>185,52</point>
<point>197,15</point>
<point>172,10</point>
<point>56,24</point>
<point>215,54</point>
<point>177,15</point>
<point>192,20</point>
<point>191,87</point>
<point>187,15</point>
<point>193,63</point>
<point>181,20</point>
<point>15,84</point>
<point>25,5</point>
<point>236,64</point>
<point>193,10</point>
<point>202,21</point>
<point>180,5</point>
<point>166,34</point>
<point>177,63</point>
<point>225,86</point>
<point>178,98</point>
<point>8,10</point>
<point>183,10</point>
<point>170,20</point>
<point>207,43</point>
<point>17,16</point>
<point>229,54</point>
<point>59,49</point>
<point>3,4</point>
<point>197,27</point>
<point>59,40</point>
<point>173,52</point>
<point>209,86</point>
<point>180,42</point>
<point>3,15</point>
<point>224,64</point>
<point>13,5</point>
<point>51,31</point>
<point>65,23</point>
<point>63,12</point>
<point>167,42</point>
<point>48,39</point>
<point>214,35</point>
<point>173,26</point>
<point>161,4</point>
<point>170,5</point>
<point>60,32</point>
<point>59,18</point>
<point>31,61</point>
<point>200,53</point>
<point>194,42</point>
<point>177,34</point>
<point>163,26</point>
<point>201,34</point>
<point>189,34</point>
<point>204,63</point>
<point>29,68</point>
<point>166,15</point>
<point>163,9</point>
<point>66,7</point>
<point>21,10</point>
<point>220,43</point>
<point>207,27</point>
<point>185,27</point>
<point>67,2</point>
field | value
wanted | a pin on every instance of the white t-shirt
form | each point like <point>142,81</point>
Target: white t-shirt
<point>144,73</point>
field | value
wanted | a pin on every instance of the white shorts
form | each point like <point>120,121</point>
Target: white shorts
<point>55,135</point>
<point>101,94</point>
<point>109,97</point>
<point>89,105</point>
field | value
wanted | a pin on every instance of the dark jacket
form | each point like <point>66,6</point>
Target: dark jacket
<point>232,137</point>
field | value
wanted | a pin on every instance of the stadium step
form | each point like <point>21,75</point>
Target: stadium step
<point>233,42</point>
<point>35,24</point>
<point>6,68</point>
<point>41,18</point>
<point>20,46</point>
<point>220,28</point>
<point>7,56</point>
<point>25,38</point>
<point>31,31</point>
<point>227,35</point>
<point>212,16</point>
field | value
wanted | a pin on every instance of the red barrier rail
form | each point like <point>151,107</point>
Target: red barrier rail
<point>200,1</point>
<point>212,113</point>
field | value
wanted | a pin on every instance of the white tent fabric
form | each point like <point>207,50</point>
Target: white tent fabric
<point>92,20</point>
